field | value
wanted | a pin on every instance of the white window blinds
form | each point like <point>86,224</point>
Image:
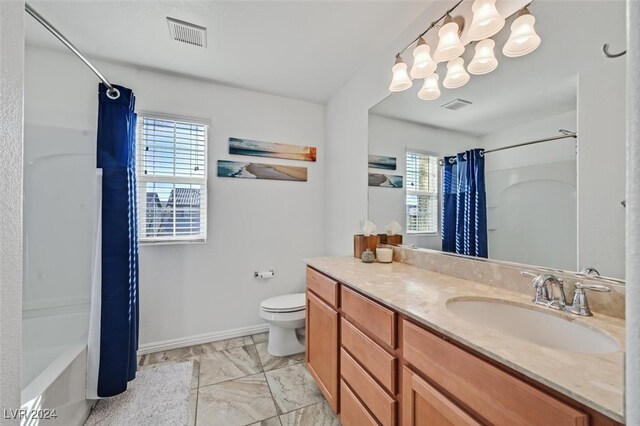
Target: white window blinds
<point>172,180</point>
<point>422,192</point>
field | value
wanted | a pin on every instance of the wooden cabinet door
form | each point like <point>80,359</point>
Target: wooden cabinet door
<point>322,347</point>
<point>424,405</point>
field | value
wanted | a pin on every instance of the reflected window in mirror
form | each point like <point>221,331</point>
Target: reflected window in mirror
<point>422,192</point>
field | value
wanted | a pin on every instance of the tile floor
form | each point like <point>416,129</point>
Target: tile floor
<point>237,382</point>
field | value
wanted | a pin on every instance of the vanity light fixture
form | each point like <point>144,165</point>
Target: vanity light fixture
<point>456,76</point>
<point>423,63</point>
<point>523,39</point>
<point>401,80</point>
<point>486,21</point>
<point>449,44</point>
<point>484,61</point>
<point>430,89</point>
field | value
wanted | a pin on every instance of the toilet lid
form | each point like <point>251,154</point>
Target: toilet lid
<point>287,303</point>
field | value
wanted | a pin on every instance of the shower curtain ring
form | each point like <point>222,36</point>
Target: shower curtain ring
<point>113,93</point>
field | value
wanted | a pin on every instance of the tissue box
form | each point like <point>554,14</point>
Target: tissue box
<point>390,239</point>
<point>361,243</point>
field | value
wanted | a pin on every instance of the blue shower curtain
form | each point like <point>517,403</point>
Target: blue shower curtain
<point>464,204</point>
<point>114,332</point>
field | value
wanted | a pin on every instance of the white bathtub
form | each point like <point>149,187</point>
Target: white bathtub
<point>54,366</point>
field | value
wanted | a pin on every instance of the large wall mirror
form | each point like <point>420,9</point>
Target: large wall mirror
<point>558,203</point>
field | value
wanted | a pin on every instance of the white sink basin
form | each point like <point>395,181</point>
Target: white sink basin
<point>533,326</point>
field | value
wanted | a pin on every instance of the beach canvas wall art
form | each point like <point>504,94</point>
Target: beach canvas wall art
<point>271,149</point>
<point>382,162</point>
<point>385,181</point>
<point>238,169</point>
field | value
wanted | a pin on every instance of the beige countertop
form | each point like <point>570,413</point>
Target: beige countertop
<point>596,380</point>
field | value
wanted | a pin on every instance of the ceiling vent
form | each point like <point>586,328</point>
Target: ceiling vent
<point>187,32</point>
<point>456,104</point>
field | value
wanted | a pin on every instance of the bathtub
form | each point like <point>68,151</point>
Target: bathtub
<point>54,366</point>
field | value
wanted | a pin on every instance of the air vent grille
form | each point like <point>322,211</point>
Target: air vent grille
<point>456,104</point>
<point>186,32</point>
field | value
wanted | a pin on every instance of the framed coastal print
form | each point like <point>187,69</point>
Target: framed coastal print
<point>238,169</point>
<point>271,149</point>
<point>382,162</point>
<point>385,181</point>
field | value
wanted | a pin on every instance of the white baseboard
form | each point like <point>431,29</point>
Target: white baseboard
<point>199,339</point>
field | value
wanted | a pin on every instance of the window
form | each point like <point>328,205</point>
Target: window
<point>172,180</point>
<point>422,192</point>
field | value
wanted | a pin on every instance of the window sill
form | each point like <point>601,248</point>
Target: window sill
<point>170,242</point>
<point>418,233</point>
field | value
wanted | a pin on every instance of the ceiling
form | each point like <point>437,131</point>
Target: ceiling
<point>299,49</point>
<point>529,88</point>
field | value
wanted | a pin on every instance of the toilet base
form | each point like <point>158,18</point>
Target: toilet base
<point>284,341</point>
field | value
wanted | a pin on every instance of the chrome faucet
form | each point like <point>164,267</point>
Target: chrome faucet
<point>549,292</point>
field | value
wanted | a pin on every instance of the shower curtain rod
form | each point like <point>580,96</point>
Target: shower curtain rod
<point>553,138</point>
<point>565,134</point>
<point>112,92</point>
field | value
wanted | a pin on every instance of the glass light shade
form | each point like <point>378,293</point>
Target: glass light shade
<point>486,20</point>
<point>449,45</point>
<point>456,76</point>
<point>430,89</point>
<point>523,38</point>
<point>484,61</point>
<point>400,80</point>
<point>423,64</point>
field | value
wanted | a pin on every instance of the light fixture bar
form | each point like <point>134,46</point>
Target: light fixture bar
<point>433,24</point>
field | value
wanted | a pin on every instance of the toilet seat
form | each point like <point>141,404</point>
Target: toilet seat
<point>285,304</point>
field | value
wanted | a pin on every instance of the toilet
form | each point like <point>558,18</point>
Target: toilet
<point>284,314</point>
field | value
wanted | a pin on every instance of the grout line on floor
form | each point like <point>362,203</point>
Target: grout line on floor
<point>275,403</point>
<point>306,406</point>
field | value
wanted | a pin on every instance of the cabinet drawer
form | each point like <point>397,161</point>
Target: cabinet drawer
<point>374,319</point>
<point>352,412</point>
<point>374,397</point>
<point>372,357</point>
<point>323,286</point>
<point>491,393</point>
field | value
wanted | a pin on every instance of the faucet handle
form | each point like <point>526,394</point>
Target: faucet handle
<point>580,305</point>
<point>594,287</point>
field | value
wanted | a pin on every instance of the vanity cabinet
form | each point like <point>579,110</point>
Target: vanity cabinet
<point>322,325</point>
<point>377,367</point>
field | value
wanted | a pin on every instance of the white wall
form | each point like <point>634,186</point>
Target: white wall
<point>602,132</point>
<point>393,138</point>
<point>11,97</point>
<point>531,194</point>
<point>346,132</point>
<point>189,290</point>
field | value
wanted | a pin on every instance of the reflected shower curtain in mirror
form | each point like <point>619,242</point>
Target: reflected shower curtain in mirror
<point>113,334</point>
<point>464,204</point>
